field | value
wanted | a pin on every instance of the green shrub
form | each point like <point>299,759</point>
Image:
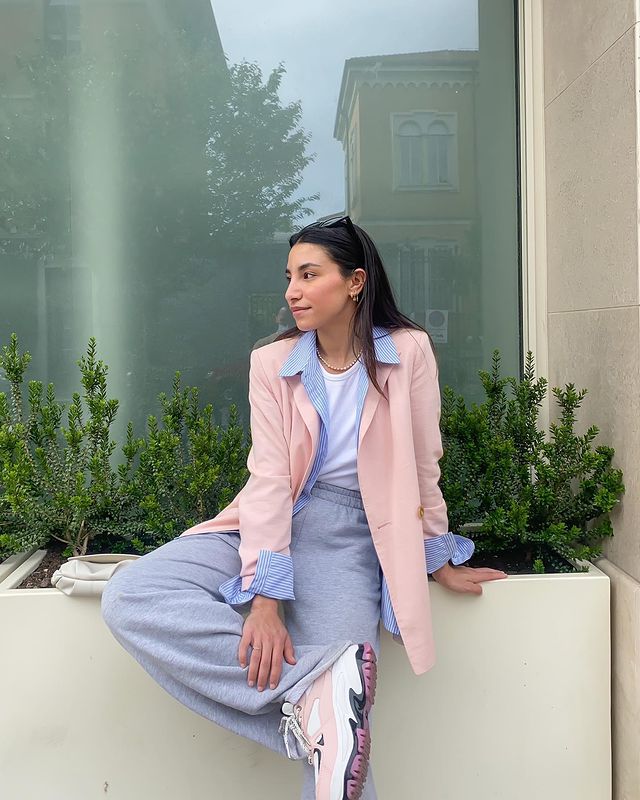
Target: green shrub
<point>55,482</point>
<point>58,483</point>
<point>542,501</point>
<point>187,470</point>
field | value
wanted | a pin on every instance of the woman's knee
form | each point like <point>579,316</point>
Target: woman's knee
<point>130,594</point>
<point>114,601</point>
<point>204,562</point>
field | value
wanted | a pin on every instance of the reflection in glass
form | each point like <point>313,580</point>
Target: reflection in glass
<point>156,156</point>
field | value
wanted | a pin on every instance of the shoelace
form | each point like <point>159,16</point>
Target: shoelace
<point>291,723</point>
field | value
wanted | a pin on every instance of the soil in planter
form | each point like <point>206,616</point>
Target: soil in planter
<point>41,578</point>
<point>515,563</point>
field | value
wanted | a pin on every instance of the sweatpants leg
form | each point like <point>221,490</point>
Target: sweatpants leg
<point>337,582</point>
<point>167,612</point>
<point>165,609</point>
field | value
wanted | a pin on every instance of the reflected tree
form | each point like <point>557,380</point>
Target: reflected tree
<point>164,171</point>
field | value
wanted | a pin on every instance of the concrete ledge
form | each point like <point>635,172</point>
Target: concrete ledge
<point>22,568</point>
<point>517,706</point>
<point>10,564</point>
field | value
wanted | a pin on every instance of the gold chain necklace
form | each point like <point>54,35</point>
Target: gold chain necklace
<point>338,369</point>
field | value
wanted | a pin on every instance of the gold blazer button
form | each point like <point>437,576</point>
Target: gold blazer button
<point>421,511</point>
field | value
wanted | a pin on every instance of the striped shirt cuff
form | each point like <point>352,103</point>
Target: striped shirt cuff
<point>273,578</point>
<point>447,547</point>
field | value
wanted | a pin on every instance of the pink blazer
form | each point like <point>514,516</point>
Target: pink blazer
<point>398,453</point>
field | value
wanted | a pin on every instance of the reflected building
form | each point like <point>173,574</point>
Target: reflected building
<point>407,123</point>
<point>149,188</point>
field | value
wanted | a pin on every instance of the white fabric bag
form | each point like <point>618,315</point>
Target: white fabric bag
<point>86,576</point>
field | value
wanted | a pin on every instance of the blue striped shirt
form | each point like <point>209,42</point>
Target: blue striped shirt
<point>274,571</point>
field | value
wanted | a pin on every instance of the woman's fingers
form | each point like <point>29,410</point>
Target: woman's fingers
<point>266,655</point>
<point>477,574</point>
<point>255,664</point>
<point>276,668</point>
<point>269,641</point>
<point>488,574</point>
<point>265,664</point>
<point>469,579</point>
<point>243,647</point>
<point>289,655</point>
<point>276,660</point>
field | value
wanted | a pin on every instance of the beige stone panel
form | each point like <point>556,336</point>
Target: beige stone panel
<point>577,33</point>
<point>591,174</point>
<point>599,351</point>
<point>625,681</point>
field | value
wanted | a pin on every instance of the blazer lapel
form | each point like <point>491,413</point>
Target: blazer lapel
<point>297,361</point>
<point>312,418</point>
<point>306,409</point>
<point>372,398</point>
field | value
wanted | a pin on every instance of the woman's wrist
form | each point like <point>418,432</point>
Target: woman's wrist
<point>262,603</point>
<point>441,572</point>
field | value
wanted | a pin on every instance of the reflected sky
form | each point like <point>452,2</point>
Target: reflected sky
<point>314,41</point>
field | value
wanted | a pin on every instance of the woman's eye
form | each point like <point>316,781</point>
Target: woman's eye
<point>304,275</point>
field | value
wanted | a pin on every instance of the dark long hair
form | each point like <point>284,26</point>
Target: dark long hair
<point>351,247</point>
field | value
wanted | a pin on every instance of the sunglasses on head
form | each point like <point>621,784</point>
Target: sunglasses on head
<point>333,222</point>
<point>338,222</point>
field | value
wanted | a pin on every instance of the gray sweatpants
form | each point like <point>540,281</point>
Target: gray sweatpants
<point>166,610</point>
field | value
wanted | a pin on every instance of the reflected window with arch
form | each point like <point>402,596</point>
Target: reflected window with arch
<point>411,154</point>
<point>424,150</point>
<point>438,154</point>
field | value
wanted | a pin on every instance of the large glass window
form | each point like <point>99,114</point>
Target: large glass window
<point>155,156</point>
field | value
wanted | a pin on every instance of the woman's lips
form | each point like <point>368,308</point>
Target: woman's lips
<point>300,310</point>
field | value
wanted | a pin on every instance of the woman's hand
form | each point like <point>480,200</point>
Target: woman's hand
<point>466,579</point>
<point>269,640</point>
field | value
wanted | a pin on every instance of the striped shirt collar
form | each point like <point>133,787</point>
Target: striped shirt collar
<point>305,350</point>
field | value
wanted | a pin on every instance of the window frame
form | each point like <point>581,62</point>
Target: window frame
<point>424,119</point>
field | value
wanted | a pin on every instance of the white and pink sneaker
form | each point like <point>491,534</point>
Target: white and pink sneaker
<point>331,723</point>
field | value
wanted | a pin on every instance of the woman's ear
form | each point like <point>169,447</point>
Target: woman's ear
<point>358,279</point>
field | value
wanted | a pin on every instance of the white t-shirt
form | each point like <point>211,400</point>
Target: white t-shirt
<point>340,465</point>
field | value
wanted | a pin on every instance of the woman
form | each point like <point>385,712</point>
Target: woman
<point>340,521</point>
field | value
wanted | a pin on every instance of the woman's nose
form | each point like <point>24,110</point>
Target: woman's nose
<point>292,293</point>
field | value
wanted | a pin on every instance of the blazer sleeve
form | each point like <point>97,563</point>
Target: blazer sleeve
<point>440,544</point>
<point>265,505</point>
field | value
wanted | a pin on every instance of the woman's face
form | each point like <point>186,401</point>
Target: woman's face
<point>317,288</point>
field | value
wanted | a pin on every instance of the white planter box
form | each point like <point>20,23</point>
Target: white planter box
<point>517,707</point>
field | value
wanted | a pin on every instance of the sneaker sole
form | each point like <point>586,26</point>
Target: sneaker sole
<point>358,764</point>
